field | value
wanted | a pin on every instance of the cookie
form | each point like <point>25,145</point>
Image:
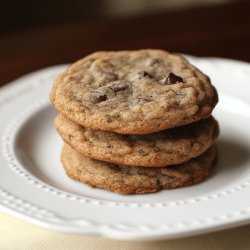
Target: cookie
<point>133,92</point>
<point>134,180</point>
<point>172,146</point>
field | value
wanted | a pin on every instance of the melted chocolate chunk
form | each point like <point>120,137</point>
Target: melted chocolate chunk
<point>172,79</point>
<point>99,98</point>
<point>145,73</point>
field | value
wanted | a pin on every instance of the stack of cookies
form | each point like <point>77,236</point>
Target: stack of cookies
<point>135,121</point>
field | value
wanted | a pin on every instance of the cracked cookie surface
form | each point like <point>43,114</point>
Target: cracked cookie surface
<point>133,92</point>
<point>131,180</point>
<point>172,146</point>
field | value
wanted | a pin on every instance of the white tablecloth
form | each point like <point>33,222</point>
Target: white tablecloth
<point>16,234</point>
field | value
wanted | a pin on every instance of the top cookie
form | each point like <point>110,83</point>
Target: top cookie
<point>133,92</point>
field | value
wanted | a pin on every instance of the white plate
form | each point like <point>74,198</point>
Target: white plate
<point>34,187</point>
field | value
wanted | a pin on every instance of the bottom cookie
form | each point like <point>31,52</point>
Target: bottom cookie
<point>135,180</point>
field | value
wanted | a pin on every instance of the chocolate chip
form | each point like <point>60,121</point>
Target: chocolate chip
<point>172,79</point>
<point>145,73</point>
<point>99,98</point>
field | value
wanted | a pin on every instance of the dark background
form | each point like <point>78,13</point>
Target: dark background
<point>36,34</point>
<point>20,15</point>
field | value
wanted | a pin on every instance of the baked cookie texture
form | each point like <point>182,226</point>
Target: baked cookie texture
<point>133,92</point>
<point>136,122</point>
<point>168,147</point>
<point>135,180</point>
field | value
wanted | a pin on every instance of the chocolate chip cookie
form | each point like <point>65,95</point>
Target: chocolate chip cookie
<point>172,146</point>
<point>133,92</point>
<point>129,179</point>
